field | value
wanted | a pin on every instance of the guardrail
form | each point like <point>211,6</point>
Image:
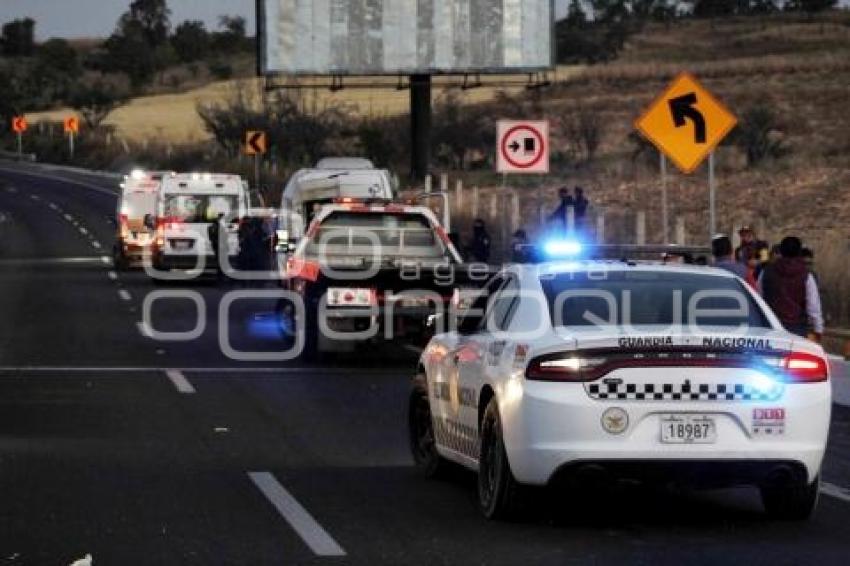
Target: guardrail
<point>15,156</point>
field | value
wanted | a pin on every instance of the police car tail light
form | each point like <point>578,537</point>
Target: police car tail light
<point>565,368</point>
<point>801,367</point>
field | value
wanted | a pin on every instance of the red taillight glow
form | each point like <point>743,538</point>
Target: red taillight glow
<point>801,367</point>
<point>565,368</point>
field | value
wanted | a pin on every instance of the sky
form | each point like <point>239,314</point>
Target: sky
<point>96,18</point>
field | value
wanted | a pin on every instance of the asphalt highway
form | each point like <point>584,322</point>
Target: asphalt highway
<point>142,451</point>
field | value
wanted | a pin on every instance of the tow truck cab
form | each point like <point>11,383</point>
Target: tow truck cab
<point>332,178</point>
<point>372,270</point>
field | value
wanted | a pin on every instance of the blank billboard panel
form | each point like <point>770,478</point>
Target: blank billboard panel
<point>383,37</point>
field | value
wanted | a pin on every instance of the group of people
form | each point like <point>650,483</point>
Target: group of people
<point>783,275</point>
<point>479,245</point>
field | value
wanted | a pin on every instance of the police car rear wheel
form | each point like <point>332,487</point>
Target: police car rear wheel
<point>791,502</point>
<point>423,444</point>
<point>498,490</point>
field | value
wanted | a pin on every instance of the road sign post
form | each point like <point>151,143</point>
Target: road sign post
<point>71,125</point>
<point>19,126</point>
<point>686,123</point>
<point>665,211</point>
<point>712,194</point>
<point>522,147</point>
<point>256,145</point>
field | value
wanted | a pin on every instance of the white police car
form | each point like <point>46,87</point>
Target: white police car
<point>645,371</point>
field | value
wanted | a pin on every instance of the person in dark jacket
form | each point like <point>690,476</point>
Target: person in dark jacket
<point>479,248</point>
<point>789,288</point>
<point>581,204</point>
<point>558,219</point>
<point>214,231</point>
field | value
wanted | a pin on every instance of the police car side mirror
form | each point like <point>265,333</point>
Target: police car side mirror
<point>149,221</point>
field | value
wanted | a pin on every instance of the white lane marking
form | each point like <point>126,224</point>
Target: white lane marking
<point>83,231</point>
<point>106,259</point>
<point>112,275</point>
<point>96,245</point>
<point>311,532</point>
<point>11,190</point>
<point>35,197</point>
<point>125,295</point>
<point>833,490</point>
<point>69,218</point>
<point>48,260</point>
<point>53,206</point>
<point>292,371</point>
<point>144,329</point>
<point>113,194</point>
<point>179,380</point>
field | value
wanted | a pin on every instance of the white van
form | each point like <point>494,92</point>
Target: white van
<point>309,189</point>
<point>188,205</point>
<point>138,202</point>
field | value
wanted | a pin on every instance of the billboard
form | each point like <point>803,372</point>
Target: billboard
<point>391,37</point>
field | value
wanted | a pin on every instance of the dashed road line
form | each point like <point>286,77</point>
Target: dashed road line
<point>311,532</point>
<point>292,371</point>
<point>68,217</point>
<point>833,490</point>
<point>125,295</point>
<point>49,260</point>
<point>179,380</point>
<point>96,245</point>
<point>35,197</point>
<point>106,260</point>
<point>112,275</point>
<point>53,206</point>
<point>83,231</point>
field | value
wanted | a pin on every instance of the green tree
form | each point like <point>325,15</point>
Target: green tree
<point>96,101</point>
<point>154,18</point>
<point>810,6</point>
<point>191,41</point>
<point>18,38</point>
<point>57,67</point>
<point>138,47</point>
<point>232,35</point>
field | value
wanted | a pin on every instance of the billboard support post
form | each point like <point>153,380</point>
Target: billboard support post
<point>420,125</point>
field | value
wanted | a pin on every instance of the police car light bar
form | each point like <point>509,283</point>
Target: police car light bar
<point>568,248</point>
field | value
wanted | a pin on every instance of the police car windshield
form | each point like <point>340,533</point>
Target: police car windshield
<point>649,298</point>
<point>359,232</point>
<point>199,208</point>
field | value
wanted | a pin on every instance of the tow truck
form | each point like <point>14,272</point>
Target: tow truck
<point>372,270</point>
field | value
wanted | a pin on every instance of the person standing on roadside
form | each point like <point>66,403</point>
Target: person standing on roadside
<point>790,289</point>
<point>479,249</point>
<point>721,249</point>
<point>558,219</point>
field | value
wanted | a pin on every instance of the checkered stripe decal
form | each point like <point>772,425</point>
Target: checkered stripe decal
<point>456,437</point>
<point>682,392</point>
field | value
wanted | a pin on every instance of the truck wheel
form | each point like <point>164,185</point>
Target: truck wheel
<point>791,502</point>
<point>423,442</point>
<point>498,491</point>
